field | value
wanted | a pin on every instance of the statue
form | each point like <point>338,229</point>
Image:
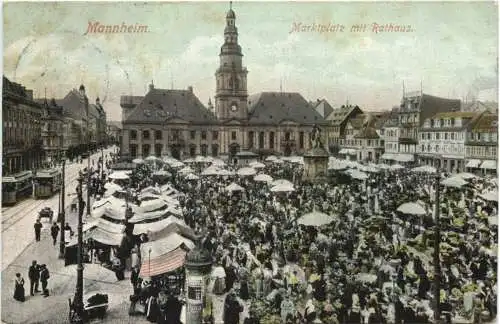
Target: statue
<point>316,138</point>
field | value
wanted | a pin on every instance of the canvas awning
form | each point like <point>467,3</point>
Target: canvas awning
<point>100,235</point>
<point>489,164</point>
<point>165,245</point>
<point>387,156</point>
<point>473,163</point>
<point>347,151</point>
<point>183,230</point>
<point>403,157</point>
<point>156,226</point>
<point>163,264</point>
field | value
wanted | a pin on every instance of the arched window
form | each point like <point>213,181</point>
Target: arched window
<point>231,83</point>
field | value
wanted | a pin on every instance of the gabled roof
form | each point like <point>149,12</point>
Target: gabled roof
<point>430,105</point>
<point>486,122</point>
<point>338,116</point>
<point>367,132</point>
<point>455,114</point>
<point>358,122</point>
<point>160,104</point>
<point>274,107</point>
<point>322,107</point>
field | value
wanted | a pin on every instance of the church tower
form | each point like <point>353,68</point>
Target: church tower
<point>231,90</point>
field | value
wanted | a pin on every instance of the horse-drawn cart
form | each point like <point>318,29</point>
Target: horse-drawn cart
<point>47,213</point>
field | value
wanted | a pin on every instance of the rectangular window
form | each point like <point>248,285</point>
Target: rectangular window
<point>203,135</point>
<point>215,135</point>
<point>271,140</point>
<point>250,139</point>
<point>193,135</point>
<point>437,136</point>
<point>158,134</point>
<point>452,136</point>
<point>301,140</point>
<point>233,136</point>
<point>261,140</point>
<point>145,134</point>
<point>133,135</point>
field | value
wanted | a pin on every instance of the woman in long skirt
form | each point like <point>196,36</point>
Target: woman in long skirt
<point>19,288</point>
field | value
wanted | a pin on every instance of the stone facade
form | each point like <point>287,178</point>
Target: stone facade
<point>176,123</point>
<point>21,133</point>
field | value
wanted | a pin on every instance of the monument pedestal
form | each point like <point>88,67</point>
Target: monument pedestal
<point>315,165</point>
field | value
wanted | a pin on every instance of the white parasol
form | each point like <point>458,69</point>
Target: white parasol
<point>280,182</point>
<point>218,162</point>
<point>411,208</point>
<point>218,272</point>
<point>396,167</point>
<point>490,196</point>
<point>455,182</point>
<point>192,176</point>
<point>138,161</point>
<point>257,165</point>
<point>271,158</point>
<point>246,172</point>
<point>356,174</point>
<point>315,218</point>
<point>234,187</point>
<point>118,176</point>
<point>263,178</point>
<point>211,170</point>
<point>282,188</point>
<point>186,170</point>
<point>366,277</point>
<point>424,169</point>
<point>466,175</point>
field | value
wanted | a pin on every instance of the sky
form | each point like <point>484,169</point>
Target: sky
<point>447,49</point>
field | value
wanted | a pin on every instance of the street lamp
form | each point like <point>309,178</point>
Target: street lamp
<point>437,266</point>
<point>62,213</point>
<point>88,161</point>
<point>76,313</point>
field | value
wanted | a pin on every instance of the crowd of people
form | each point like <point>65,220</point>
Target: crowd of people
<point>372,263</point>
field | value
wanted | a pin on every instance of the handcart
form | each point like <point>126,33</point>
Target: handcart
<point>46,212</point>
<point>95,305</point>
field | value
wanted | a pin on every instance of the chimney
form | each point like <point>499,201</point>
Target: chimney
<point>151,86</point>
<point>82,90</point>
<point>97,101</point>
<point>190,89</point>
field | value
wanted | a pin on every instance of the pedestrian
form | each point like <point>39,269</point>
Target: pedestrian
<point>34,277</point>
<point>44,277</point>
<point>19,288</point>
<point>54,231</point>
<point>38,230</point>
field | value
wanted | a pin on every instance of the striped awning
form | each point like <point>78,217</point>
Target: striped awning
<point>165,263</point>
<point>473,164</point>
<point>489,164</point>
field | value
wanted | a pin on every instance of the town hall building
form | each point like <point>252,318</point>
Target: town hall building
<point>175,122</point>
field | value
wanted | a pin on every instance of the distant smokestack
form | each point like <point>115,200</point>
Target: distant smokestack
<point>190,89</point>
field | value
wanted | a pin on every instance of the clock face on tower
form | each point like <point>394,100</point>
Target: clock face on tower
<point>234,107</point>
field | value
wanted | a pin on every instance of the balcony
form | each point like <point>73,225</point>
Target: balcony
<point>288,142</point>
<point>176,140</point>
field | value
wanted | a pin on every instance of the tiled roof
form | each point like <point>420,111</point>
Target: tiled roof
<point>322,107</point>
<point>381,119</point>
<point>338,116</point>
<point>456,114</point>
<point>160,104</point>
<point>487,122</point>
<point>274,107</point>
<point>368,132</point>
<point>358,122</point>
<point>430,105</point>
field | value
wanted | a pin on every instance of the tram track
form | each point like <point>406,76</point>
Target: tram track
<point>37,204</point>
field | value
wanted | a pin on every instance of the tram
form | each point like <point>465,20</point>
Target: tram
<point>16,187</point>
<point>47,183</point>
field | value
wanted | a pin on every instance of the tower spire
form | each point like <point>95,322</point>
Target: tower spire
<point>230,5</point>
<point>404,94</point>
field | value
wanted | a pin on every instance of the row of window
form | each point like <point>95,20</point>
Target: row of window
<point>489,151</point>
<point>487,137</point>
<point>447,122</point>
<point>176,134</point>
<point>358,142</point>
<point>454,148</point>
<point>158,150</point>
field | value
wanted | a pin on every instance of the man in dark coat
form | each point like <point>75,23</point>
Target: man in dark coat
<point>54,231</point>
<point>34,276</point>
<point>232,309</point>
<point>173,310</point>
<point>44,278</point>
<point>38,230</point>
